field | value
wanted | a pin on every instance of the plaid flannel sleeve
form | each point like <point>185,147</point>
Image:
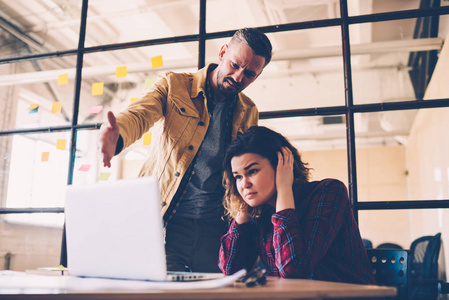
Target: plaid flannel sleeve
<point>299,247</point>
<point>237,249</point>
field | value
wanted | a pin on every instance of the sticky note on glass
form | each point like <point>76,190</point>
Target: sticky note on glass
<point>156,62</point>
<point>60,144</point>
<point>104,176</point>
<point>149,82</point>
<point>56,107</point>
<point>96,109</point>
<point>121,72</point>
<point>33,108</point>
<point>63,79</point>
<point>147,138</point>
<point>84,168</point>
<point>97,88</point>
<point>45,156</point>
<point>134,99</point>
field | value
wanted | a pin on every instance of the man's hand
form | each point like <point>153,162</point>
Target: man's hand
<point>107,139</point>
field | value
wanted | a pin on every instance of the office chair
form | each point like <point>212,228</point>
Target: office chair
<point>428,278</point>
<point>389,246</point>
<point>367,243</point>
<point>391,268</point>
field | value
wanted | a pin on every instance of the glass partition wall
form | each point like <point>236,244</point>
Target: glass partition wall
<point>358,86</point>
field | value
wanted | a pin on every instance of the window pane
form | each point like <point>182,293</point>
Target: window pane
<point>365,7</point>
<point>34,169</point>
<point>25,246</point>
<point>390,63</point>
<point>111,80</point>
<point>37,93</point>
<point>306,70</point>
<point>402,155</point>
<point>89,168</point>
<point>34,26</point>
<point>320,140</point>
<point>402,227</point>
<point>88,165</point>
<point>222,14</point>
<point>118,21</point>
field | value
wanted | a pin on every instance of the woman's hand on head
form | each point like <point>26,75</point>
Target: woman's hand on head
<point>242,215</point>
<point>284,170</point>
<point>284,180</point>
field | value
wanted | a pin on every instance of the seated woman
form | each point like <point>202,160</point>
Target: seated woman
<point>299,229</point>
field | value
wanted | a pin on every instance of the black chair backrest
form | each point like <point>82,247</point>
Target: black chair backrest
<point>424,256</point>
<point>389,246</point>
<point>367,243</point>
<point>424,253</point>
<point>391,268</point>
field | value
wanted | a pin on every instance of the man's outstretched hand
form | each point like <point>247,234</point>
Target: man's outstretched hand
<point>107,139</point>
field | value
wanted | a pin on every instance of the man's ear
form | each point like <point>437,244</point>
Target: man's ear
<point>222,51</point>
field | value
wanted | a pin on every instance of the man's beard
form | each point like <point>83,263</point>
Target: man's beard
<point>228,91</point>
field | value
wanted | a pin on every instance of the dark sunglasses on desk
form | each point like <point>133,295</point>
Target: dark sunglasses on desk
<point>255,277</point>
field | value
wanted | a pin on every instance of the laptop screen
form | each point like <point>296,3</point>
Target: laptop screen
<point>114,230</point>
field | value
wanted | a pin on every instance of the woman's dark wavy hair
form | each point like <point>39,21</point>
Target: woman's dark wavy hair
<point>266,143</point>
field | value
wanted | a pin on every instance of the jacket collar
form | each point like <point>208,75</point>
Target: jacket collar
<point>199,80</point>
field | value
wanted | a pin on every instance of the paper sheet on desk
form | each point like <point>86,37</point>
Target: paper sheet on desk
<point>92,284</point>
<point>18,280</point>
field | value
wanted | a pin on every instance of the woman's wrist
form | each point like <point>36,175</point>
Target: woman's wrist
<point>285,200</point>
<point>242,218</point>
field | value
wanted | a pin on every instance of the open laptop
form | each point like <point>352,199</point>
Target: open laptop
<point>114,230</point>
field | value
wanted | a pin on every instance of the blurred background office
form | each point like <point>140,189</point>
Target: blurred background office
<point>359,86</point>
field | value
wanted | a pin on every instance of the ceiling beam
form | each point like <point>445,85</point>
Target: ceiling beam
<point>298,54</point>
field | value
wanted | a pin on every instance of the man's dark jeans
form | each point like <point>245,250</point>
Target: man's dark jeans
<point>194,244</point>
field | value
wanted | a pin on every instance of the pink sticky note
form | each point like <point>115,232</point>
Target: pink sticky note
<point>84,168</point>
<point>96,109</point>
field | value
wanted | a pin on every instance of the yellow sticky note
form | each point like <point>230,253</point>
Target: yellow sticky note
<point>97,88</point>
<point>121,72</point>
<point>56,107</point>
<point>62,268</point>
<point>156,61</point>
<point>104,176</point>
<point>60,144</point>
<point>45,156</point>
<point>133,99</point>
<point>147,138</point>
<point>63,79</point>
<point>149,82</point>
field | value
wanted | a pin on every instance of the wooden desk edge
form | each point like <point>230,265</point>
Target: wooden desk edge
<point>275,288</point>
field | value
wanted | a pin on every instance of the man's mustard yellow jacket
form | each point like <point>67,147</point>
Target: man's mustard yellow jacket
<point>176,106</point>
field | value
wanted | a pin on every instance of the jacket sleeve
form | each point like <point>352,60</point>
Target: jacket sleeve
<point>299,247</point>
<point>237,250</point>
<point>141,115</point>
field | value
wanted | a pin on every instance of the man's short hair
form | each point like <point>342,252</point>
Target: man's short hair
<point>257,40</point>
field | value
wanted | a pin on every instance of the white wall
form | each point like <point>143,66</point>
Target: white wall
<point>427,156</point>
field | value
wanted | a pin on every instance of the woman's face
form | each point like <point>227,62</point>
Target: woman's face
<point>255,179</point>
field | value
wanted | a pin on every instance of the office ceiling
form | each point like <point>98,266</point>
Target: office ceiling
<point>38,26</point>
